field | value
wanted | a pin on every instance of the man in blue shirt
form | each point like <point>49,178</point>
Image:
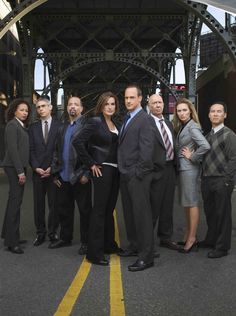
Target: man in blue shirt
<point>71,179</point>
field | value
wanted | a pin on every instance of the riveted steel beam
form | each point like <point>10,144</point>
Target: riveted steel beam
<point>64,74</point>
<point>17,13</point>
<point>223,35</point>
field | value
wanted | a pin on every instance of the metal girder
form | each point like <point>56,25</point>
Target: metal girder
<point>76,66</point>
<point>77,55</point>
<point>200,10</point>
<point>195,26</point>
<point>17,13</point>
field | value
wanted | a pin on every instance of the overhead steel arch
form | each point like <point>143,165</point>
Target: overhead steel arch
<point>17,13</point>
<point>200,10</point>
<point>64,74</point>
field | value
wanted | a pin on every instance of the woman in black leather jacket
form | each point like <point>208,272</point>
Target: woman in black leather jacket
<point>96,146</point>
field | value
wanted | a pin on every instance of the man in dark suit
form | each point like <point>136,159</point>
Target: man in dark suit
<point>163,184</point>
<point>135,162</point>
<point>42,136</point>
<point>72,180</point>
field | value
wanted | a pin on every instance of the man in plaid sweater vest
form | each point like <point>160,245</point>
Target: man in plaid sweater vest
<point>219,169</point>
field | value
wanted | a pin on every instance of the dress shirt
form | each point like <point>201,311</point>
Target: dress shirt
<point>49,120</point>
<point>132,114</point>
<point>65,173</point>
<point>21,123</point>
<point>218,128</point>
<point>166,128</point>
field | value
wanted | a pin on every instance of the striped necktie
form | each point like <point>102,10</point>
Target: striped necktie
<point>168,145</point>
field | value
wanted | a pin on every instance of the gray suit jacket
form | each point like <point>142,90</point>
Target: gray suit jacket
<point>17,146</point>
<point>136,146</point>
<point>191,136</point>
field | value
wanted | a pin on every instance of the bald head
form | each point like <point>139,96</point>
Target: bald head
<point>156,105</point>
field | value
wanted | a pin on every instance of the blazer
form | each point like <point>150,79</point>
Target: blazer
<point>16,146</point>
<point>41,154</point>
<point>136,146</point>
<point>191,136</point>
<point>93,143</point>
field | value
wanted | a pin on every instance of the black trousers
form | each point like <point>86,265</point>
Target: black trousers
<point>11,223</point>
<point>101,228</point>
<point>135,195</point>
<point>218,210</point>
<point>43,187</point>
<point>66,196</point>
<point>162,200</point>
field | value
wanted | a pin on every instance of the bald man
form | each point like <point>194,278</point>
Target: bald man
<point>163,184</point>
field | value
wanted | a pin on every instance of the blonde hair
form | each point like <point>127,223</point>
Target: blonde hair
<point>193,113</point>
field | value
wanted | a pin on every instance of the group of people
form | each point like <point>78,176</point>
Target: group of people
<point>87,160</point>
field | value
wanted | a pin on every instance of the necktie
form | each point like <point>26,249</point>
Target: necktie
<point>127,117</point>
<point>45,132</point>
<point>168,145</point>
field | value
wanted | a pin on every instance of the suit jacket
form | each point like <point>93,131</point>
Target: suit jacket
<point>16,146</point>
<point>41,154</point>
<point>136,146</point>
<point>191,136</point>
<point>160,149</point>
<point>94,142</point>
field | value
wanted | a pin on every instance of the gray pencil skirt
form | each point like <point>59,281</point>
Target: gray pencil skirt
<point>189,187</point>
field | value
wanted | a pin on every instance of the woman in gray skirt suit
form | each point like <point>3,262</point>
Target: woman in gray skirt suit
<point>191,146</point>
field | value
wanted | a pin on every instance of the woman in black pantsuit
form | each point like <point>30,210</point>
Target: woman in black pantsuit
<point>15,162</point>
<point>96,146</point>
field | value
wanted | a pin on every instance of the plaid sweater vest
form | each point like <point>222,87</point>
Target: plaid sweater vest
<point>215,160</point>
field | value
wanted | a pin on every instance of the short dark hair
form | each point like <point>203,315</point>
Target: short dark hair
<point>134,85</point>
<point>13,107</point>
<point>219,102</point>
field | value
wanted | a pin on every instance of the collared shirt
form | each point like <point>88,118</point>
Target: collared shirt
<point>21,123</point>
<point>65,173</point>
<point>49,120</point>
<point>133,113</point>
<point>157,121</point>
<point>218,128</point>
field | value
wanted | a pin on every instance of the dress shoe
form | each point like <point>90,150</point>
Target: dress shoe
<point>194,247</point>
<point>16,249</point>
<point>204,244</point>
<point>217,254</point>
<point>53,238</point>
<point>169,244</point>
<point>127,253</point>
<point>59,244</point>
<point>140,265</point>
<point>83,249</point>
<point>40,239</point>
<point>102,262</point>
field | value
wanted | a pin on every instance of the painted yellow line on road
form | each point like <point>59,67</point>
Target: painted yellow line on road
<point>68,302</point>
<point>117,306</point>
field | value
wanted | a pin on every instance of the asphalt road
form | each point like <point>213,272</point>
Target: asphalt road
<point>180,285</point>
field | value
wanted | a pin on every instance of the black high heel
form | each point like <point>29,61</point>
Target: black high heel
<point>194,247</point>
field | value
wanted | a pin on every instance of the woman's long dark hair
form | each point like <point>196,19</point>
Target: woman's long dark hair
<point>102,100</point>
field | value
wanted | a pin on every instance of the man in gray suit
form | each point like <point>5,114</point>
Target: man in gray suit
<point>135,162</point>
